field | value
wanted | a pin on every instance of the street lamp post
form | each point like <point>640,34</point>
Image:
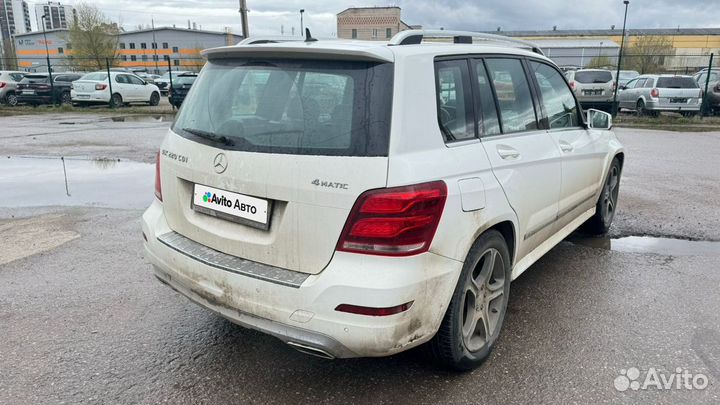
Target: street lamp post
<point>47,56</point>
<point>302,30</point>
<point>617,74</point>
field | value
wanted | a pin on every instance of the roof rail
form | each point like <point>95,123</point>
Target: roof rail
<point>269,40</point>
<point>414,37</point>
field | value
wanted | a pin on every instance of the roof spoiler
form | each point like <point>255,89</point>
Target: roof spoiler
<point>415,37</point>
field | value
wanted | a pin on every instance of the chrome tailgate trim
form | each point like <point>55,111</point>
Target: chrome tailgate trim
<point>233,264</point>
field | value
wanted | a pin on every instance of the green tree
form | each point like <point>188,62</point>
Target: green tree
<point>93,36</point>
<point>647,54</point>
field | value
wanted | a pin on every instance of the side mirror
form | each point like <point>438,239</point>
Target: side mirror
<point>597,119</point>
<point>623,87</point>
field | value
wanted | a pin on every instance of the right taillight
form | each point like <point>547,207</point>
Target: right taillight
<point>572,85</point>
<point>655,93</point>
<point>158,186</point>
<point>398,221</point>
<point>2,84</point>
<point>100,86</point>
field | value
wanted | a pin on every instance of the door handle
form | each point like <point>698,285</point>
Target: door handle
<point>565,146</point>
<point>507,153</point>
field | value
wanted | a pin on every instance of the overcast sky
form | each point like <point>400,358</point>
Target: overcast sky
<point>267,16</point>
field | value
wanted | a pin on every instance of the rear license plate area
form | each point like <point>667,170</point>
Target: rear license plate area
<point>231,206</point>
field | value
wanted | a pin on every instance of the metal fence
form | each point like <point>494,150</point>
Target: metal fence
<point>150,64</point>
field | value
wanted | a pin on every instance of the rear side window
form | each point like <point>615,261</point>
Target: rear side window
<point>557,99</point>
<point>592,76</point>
<point>305,107</point>
<point>488,112</point>
<point>676,83</point>
<point>454,99</point>
<point>517,112</point>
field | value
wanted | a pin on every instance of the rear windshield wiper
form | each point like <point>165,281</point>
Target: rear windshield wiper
<point>210,135</point>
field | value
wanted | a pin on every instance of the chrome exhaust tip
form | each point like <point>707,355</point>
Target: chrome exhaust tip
<point>313,351</point>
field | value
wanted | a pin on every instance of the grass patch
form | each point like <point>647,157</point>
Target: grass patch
<point>669,122</point>
<point>6,111</point>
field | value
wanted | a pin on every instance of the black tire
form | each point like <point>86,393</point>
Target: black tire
<point>640,108</point>
<point>116,100</point>
<point>65,98</point>
<point>11,99</point>
<point>451,346</point>
<point>154,99</point>
<point>599,224</point>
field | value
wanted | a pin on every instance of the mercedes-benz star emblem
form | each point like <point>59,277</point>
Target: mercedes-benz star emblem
<point>220,163</point>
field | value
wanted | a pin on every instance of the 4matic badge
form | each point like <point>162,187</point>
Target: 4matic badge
<point>329,184</point>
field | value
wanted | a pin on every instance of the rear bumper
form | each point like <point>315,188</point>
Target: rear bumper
<point>39,99</point>
<point>94,97</point>
<point>658,106</point>
<point>304,315</point>
<point>600,105</point>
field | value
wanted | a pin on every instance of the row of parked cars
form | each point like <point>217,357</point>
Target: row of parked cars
<point>647,94</point>
<point>116,88</point>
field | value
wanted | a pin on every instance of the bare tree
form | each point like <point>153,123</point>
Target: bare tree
<point>93,36</point>
<point>600,62</point>
<point>647,54</point>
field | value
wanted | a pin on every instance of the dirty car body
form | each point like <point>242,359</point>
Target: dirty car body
<point>325,192</point>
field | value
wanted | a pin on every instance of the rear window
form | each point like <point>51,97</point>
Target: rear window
<point>291,106</point>
<point>184,80</point>
<point>98,76</point>
<point>676,83</point>
<point>35,79</point>
<point>593,76</point>
<point>17,76</point>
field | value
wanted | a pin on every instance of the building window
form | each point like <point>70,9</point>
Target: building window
<point>154,45</point>
<point>175,49</point>
<point>144,58</point>
<point>354,33</point>
<point>388,32</point>
<point>132,45</point>
<point>61,51</point>
<point>123,58</point>
<point>68,46</point>
<point>133,58</point>
<point>166,57</point>
<point>122,45</point>
<point>374,33</point>
<point>176,62</point>
<point>155,58</point>
<point>165,45</point>
<point>143,45</point>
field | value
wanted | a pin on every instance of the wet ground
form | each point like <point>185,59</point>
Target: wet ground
<point>82,320</point>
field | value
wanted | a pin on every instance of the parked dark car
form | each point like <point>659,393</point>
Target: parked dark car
<point>35,89</point>
<point>180,87</point>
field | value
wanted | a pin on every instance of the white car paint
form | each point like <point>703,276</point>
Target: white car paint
<point>94,88</point>
<point>544,183</point>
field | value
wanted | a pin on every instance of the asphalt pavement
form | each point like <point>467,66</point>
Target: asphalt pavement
<point>82,319</point>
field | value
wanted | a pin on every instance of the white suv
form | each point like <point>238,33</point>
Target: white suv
<point>359,199</point>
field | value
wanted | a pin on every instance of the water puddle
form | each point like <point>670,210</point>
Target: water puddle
<point>144,118</point>
<point>36,182</point>
<point>648,244</point>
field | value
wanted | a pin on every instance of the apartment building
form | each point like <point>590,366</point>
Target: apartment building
<point>59,16</point>
<point>370,23</point>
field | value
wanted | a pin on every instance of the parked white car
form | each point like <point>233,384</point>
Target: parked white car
<point>361,198</point>
<point>94,88</point>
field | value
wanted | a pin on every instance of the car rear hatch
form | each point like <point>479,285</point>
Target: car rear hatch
<point>32,85</point>
<point>86,84</point>
<point>677,90</point>
<point>593,85</point>
<point>268,155</point>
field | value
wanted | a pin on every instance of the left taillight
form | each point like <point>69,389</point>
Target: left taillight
<point>398,221</point>
<point>158,186</point>
<point>2,84</point>
<point>100,86</point>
